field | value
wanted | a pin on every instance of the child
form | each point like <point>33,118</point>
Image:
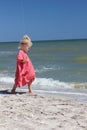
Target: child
<point>25,73</point>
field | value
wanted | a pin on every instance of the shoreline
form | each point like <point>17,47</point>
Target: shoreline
<point>42,111</point>
<point>78,95</point>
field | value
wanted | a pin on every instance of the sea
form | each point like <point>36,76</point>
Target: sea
<point>60,66</point>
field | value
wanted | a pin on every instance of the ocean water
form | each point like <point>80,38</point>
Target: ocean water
<point>60,65</point>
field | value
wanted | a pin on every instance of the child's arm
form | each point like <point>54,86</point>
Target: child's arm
<point>21,58</point>
<point>23,61</point>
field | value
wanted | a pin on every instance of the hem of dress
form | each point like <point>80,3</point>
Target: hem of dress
<point>19,86</point>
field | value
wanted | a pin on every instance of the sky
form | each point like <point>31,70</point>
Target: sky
<point>43,19</point>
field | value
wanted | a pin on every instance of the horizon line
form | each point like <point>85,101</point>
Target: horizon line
<point>51,40</point>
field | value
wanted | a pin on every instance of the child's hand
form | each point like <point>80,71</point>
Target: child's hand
<point>26,60</point>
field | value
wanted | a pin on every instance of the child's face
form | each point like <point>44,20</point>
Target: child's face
<point>25,47</point>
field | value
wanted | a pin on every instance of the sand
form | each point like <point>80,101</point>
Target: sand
<point>24,111</point>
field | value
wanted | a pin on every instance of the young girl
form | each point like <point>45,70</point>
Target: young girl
<point>25,73</point>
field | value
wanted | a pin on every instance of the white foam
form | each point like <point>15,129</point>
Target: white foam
<point>41,69</point>
<point>44,83</point>
<point>6,79</point>
<point>7,52</point>
<point>50,83</point>
<point>40,82</point>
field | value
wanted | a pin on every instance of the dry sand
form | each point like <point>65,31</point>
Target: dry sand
<point>24,111</point>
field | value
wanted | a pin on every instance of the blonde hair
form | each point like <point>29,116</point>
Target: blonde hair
<point>26,41</point>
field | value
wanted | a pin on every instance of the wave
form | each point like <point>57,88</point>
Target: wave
<point>41,69</point>
<point>40,82</point>
<point>6,80</point>
<point>7,52</point>
<point>47,83</point>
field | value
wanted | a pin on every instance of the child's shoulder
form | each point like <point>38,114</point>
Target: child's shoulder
<point>20,52</point>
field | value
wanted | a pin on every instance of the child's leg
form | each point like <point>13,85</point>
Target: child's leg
<point>14,88</point>
<point>30,87</point>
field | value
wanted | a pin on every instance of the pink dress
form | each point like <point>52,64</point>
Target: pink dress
<point>24,71</point>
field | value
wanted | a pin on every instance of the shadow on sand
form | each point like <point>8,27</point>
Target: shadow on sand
<point>9,92</point>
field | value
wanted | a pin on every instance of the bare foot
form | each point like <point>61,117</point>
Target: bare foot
<point>13,92</point>
<point>32,93</point>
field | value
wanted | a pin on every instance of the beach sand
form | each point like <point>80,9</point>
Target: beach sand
<point>24,111</point>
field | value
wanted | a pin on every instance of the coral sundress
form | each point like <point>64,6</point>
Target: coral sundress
<point>24,70</point>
